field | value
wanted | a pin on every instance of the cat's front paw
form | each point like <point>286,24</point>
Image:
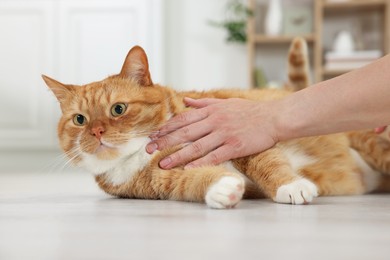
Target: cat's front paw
<point>225,193</point>
<point>298,192</point>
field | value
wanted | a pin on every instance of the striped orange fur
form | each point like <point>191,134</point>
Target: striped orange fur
<point>105,127</point>
<point>298,65</point>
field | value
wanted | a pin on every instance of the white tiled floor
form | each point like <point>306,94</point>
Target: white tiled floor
<point>65,216</point>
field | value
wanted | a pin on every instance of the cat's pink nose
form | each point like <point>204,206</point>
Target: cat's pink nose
<point>97,131</point>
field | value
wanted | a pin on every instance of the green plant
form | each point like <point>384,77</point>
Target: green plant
<point>237,14</point>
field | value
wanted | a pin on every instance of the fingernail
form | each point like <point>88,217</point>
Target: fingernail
<point>187,99</point>
<point>165,162</point>
<point>151,148</point>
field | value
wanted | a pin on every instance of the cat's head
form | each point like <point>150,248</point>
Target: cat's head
<point>105,121</point>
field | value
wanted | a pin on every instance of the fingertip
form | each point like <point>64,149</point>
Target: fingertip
<point>379,130</point>
<point>196,103</point>
<point>189,101</point>
<point>166,163</point>
<point>151,148</point>
<point>202,102</point>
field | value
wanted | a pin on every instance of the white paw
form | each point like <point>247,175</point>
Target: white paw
<point>298,192</point>
<point>225,193</point>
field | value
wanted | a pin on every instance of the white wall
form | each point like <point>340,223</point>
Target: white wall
<point>74,41</point>
<point>197,56</point>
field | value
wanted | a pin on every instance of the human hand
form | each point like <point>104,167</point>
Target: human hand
<point>380,130</point>
<point>219,130</point>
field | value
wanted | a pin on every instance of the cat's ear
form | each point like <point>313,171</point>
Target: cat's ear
<point>61,91</point>
<point>136,66</point>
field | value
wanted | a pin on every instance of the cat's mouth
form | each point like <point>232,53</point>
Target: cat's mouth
<point>104,146</point>
<point>106,151</point>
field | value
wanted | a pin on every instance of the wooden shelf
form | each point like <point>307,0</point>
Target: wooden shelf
<point>353,4</point>
<point>265,39</point>
<point>321,10</point>
<point>333,73</point>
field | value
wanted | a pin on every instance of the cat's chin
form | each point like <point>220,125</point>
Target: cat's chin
<point>104,158</point>
<point>100,162</point>
<point>104,152</point>
<point>108,157</point>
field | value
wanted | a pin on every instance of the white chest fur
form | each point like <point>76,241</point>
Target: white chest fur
<point>128,167</point>
<point>132,159</point>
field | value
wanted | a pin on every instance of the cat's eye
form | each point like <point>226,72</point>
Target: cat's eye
<point>118,109</point>
<point>79,120</point>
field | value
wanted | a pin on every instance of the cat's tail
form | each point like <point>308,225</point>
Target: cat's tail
<point>298,65</point>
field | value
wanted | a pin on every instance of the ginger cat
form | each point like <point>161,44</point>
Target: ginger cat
<point>105,126</point>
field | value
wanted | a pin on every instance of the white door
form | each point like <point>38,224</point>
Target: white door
<point>26,48</point>
<point>95,39</point>
<point>74,41</point>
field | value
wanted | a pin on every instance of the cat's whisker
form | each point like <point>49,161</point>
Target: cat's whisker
<point>56,164</point>
<point>78,152</point>
<point>69,156</point>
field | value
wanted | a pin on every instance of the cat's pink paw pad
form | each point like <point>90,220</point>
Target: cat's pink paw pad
<point>225,193</point>
<point>298,192</point>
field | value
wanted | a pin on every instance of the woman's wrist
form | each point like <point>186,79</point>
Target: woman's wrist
<point>289,117</point>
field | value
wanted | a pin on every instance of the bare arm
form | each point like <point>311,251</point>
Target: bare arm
<point>224,129</point>
<point>356,100</point>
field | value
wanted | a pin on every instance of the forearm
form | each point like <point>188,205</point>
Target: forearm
<point>357,100</point>
<point>220,130</point>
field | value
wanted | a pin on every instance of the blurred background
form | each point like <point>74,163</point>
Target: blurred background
<point>191,45</point>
